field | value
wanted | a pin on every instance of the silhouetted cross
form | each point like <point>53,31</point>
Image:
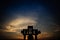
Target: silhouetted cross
<point>30,32</point>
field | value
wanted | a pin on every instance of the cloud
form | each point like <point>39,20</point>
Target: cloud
<point>16,35</point>
<point>45,35</point>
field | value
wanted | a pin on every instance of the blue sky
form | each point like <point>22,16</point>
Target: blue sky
<point>31,9</point>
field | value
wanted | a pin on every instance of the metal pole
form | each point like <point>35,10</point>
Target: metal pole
<point>24,37</point>
<point>35,37</point>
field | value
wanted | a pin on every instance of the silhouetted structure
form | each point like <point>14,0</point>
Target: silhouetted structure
<point>30,32</point>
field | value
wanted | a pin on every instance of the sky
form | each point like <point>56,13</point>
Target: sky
<point>19,14</point>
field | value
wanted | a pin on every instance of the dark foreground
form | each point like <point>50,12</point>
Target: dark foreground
<point>26,39</point>
<point>58,38</point>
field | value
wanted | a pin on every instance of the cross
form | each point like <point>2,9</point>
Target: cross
<point>30,32</point>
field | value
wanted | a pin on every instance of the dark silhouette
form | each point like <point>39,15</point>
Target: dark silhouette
<point>30,32</point>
